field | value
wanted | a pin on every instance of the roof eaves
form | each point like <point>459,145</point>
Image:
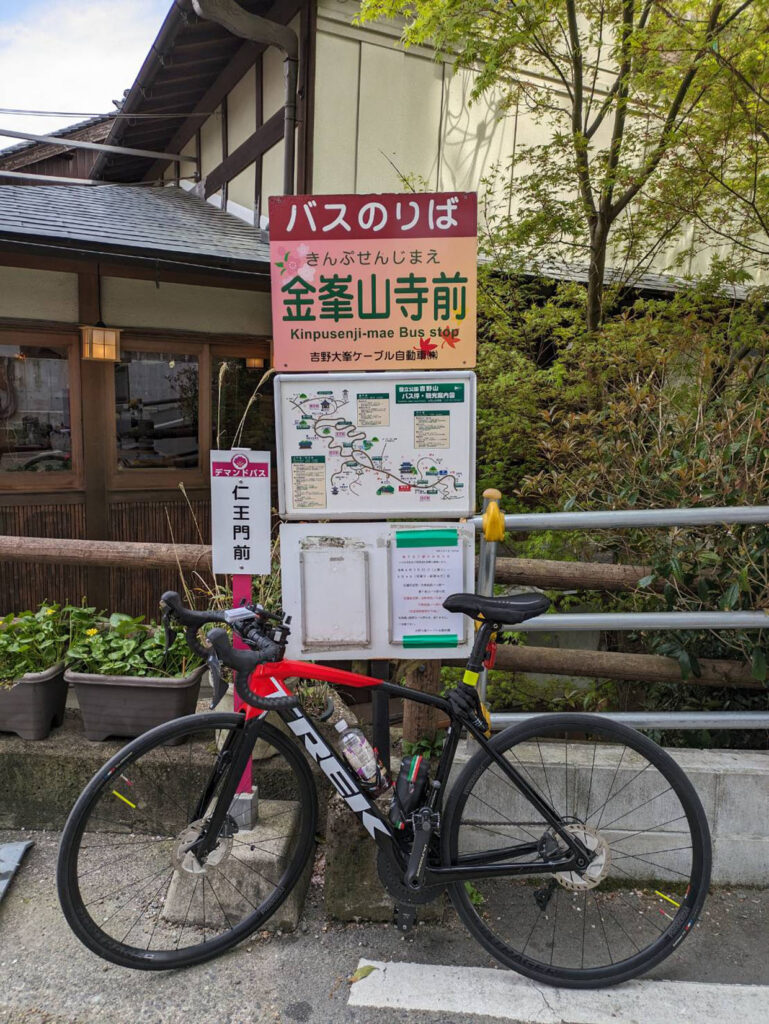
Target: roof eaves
<point>61,244</point>
<point>178,16</point>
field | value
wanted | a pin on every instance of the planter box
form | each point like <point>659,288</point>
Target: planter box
<point>34,704</point>
<point>130,705</point>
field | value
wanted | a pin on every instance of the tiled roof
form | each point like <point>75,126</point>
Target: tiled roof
<point>129,219</point>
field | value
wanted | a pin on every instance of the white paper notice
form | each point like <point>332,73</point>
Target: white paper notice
<point>426,566</point>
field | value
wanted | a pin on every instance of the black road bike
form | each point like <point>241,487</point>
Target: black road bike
<point>573,848</point>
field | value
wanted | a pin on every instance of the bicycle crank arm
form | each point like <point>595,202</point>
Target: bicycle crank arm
<point>424,822</point>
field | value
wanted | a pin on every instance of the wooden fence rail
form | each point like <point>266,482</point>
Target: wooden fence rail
<point>648,668</point>
<point>550,575</point>
<point>113,554</point>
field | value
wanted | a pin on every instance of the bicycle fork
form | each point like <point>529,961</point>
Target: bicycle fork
<point>231,764</point>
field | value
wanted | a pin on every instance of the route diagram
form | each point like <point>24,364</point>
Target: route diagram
<point>376,459</point>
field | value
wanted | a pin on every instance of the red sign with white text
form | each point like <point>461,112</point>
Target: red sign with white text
<point>374,282</point>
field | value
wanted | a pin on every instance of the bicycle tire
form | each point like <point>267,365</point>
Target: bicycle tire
<point>624,874</point>
<point>138,770</point>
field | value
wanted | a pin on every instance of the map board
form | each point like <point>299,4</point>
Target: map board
<point>374,282</point>
<point>376,445</point>
<point>376,590</point>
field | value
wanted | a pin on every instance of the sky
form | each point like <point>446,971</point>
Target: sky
<point>70,55</point>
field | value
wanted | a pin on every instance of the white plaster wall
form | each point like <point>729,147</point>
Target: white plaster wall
<point>334,148</point>
<point>38,294</point>
<point>272,175</point>
<point>210,143</point>
<point>132,303</point>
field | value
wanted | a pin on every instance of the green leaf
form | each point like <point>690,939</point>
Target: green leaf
<point>362,972</point>
<point>686,664</point>
<point>730,597</point>
<point>758,666</point>
<point>646,581</point>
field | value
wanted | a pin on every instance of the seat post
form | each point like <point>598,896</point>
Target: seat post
<point>477,655</point>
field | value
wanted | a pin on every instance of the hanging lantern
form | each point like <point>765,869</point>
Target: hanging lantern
<point>100,342</point>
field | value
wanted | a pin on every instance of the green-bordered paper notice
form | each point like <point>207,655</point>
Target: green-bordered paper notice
<point>426,566</point>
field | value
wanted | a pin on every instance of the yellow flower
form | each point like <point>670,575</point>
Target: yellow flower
<point>50,611</point>
<point>91,632</point>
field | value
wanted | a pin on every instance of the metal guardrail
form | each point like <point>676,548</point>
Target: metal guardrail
<point>624,519</point>
<point>491,530</point>
<point>623,621</point>
<point>685,720</point>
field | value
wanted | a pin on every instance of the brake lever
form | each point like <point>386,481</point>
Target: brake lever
<point>218,684</point>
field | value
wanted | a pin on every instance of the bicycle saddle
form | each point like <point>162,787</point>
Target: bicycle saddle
<point>505,610</point>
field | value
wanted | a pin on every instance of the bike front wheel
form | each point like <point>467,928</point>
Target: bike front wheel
<point>129,883</point>
<point>628,802</point>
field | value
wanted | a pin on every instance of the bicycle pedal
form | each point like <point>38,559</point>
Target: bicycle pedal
<point>405,917</point>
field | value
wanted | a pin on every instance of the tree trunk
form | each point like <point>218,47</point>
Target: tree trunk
<point>599,238</point>
<point>420,721</point>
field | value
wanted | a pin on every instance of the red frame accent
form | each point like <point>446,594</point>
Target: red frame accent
<point>491,654</point>
<point>261,683</point>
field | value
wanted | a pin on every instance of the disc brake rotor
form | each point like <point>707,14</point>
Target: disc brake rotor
<point>598,868</point>
<point>184,858</point>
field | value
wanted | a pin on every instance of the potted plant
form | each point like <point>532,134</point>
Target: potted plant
<point>33,691</point>
<point>124,681</point>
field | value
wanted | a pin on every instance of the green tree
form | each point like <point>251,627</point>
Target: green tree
<point>654,118</point>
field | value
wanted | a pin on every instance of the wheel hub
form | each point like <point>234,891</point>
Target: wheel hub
<point>184,858</point>
<point>599,866</point>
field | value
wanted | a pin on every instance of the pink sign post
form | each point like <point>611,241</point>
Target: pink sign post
<point>241,591</point>
<point>240,534</point>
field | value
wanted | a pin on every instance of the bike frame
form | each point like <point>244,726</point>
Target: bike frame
<point>269,680</point>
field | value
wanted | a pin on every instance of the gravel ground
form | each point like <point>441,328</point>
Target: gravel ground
<point>49,978</point>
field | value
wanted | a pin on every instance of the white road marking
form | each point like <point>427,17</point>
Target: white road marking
<point>500,993</point>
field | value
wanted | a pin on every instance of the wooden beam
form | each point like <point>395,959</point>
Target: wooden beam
<point>94,383</point>
<point>540,572</point>
<point>306,98</point>
<point>225,148</point>
<point>263,138</point>
<point>637,668</point>
<point>210,100</point>
<point>255,275</point>
<point>105,553</point>
<point>258,122</point>
<point>205,278</point>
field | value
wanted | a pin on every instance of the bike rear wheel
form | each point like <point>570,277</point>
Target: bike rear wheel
<point>128,884</point>
<point>629,803</point>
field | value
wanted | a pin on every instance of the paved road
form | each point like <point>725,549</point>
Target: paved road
<point>47,977</point>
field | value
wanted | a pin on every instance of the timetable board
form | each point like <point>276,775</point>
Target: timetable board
<point>376,445</point>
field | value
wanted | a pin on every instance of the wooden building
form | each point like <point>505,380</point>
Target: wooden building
<point>53,160</point>
<point>102,449</point>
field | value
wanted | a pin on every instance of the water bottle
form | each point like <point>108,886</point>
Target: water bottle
<point>362,759</point>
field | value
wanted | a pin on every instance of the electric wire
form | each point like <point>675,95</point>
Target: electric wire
<point>115,113</point>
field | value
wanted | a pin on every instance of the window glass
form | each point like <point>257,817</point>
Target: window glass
<point>156,398</point>
<point>35,425</point>
<point>235,400</point>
